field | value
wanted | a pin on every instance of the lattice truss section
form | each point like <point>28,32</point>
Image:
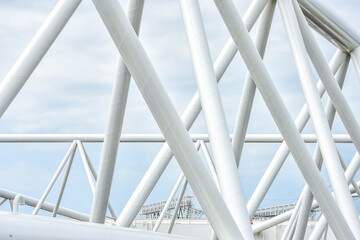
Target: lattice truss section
<point>214,177</point>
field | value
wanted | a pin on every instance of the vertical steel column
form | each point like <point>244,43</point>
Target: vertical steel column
<point>63,184</point>
<point>355,56</point>
<point>54,178</point>
<point>248,92</point>
<point>224,159</point>
<point>308,196</point>
<point>167,117</point>
<point>283,151</point>
<point>114,125</point>
<point>282,117</point>
<point>178,203</point>
<point>35,51</point>
<point>191,112</point>
<point>168,202</point>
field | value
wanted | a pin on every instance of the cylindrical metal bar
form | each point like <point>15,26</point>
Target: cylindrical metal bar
<point>35,51</point>
<point>322,14</point>
<point>191,112</point>
<point>167,117</point>
<point>210,163</point>
<point>355,57</point>
<point>2,201</point>
<point>335,172</point>
<point>214,115</point>
<point>308,196</point>
<point>282,117</point>
<point>90,173</point>
<point>114,125</point>
<point>63,184</point>
<point>293,219</point>
<point>45,206</point>
<point>283,151</point>
<point>54,178</point>
<point>178,203</point>
<point>154,138</point>
<point>248,92</point>
<point>18,200</point>
<point>168,202</point>
<point>349,174</point>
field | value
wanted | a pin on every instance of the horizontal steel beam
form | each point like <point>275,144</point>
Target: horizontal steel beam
<point>142,138</point>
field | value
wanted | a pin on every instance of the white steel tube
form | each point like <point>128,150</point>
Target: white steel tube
<point>282,117</point>
<point>191,112</point>
<point>308,196</point>
<point>54,178</point>
<point>178,203</point>
<point>283,151</point>
<point>45,206</point>
<point>328,150</point>
<point>2,201</point>
<point>210,163</point>
<point>293,220</point>
<point>333,89</point>
<point>154,138</point>
<point>114,125</point>
<point>90,173</point>
<point>248,92</point>
<point>35,51</point>
<point>63,184</point>
<point>349,174</point>
<point>27,227</point>
<point>168,202</point>
<point>224,159</point>
<point>167,117</point>
<point>355,56</point>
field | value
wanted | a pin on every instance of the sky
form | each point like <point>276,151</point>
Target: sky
<point>70,92</point>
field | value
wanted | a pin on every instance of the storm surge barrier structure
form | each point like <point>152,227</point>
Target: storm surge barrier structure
<point>215,179</point>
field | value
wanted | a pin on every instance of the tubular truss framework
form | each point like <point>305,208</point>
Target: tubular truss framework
<point>215,182</point>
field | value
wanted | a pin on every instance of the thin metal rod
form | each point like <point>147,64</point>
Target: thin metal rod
<point>355,57</point>
<point>154,138</point>
<point>91,174</point>
<point>191,112</point>
<point>282,117</point>
<point>167,117</point>
<point>335,172</point>
<point>63,184</point>
<point>283,151</point>
<point>171,196</point>
<point>2,201</point>
<point>114,125</point>
<point>178,203</point>
<point>293,220</point>
<point>308,196</point>
<point>352,181</point>
<point>248,92</point>
<point>214,115</point>
<point>54,178</point>
<point>46,206</point>
<point>168,202</point>
<point>210,163</point>
<point>35,51</point>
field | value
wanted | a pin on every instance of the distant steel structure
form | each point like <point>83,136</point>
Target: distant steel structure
<point>215,182</point>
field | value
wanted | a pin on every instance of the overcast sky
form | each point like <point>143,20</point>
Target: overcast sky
<point>70,92</point>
